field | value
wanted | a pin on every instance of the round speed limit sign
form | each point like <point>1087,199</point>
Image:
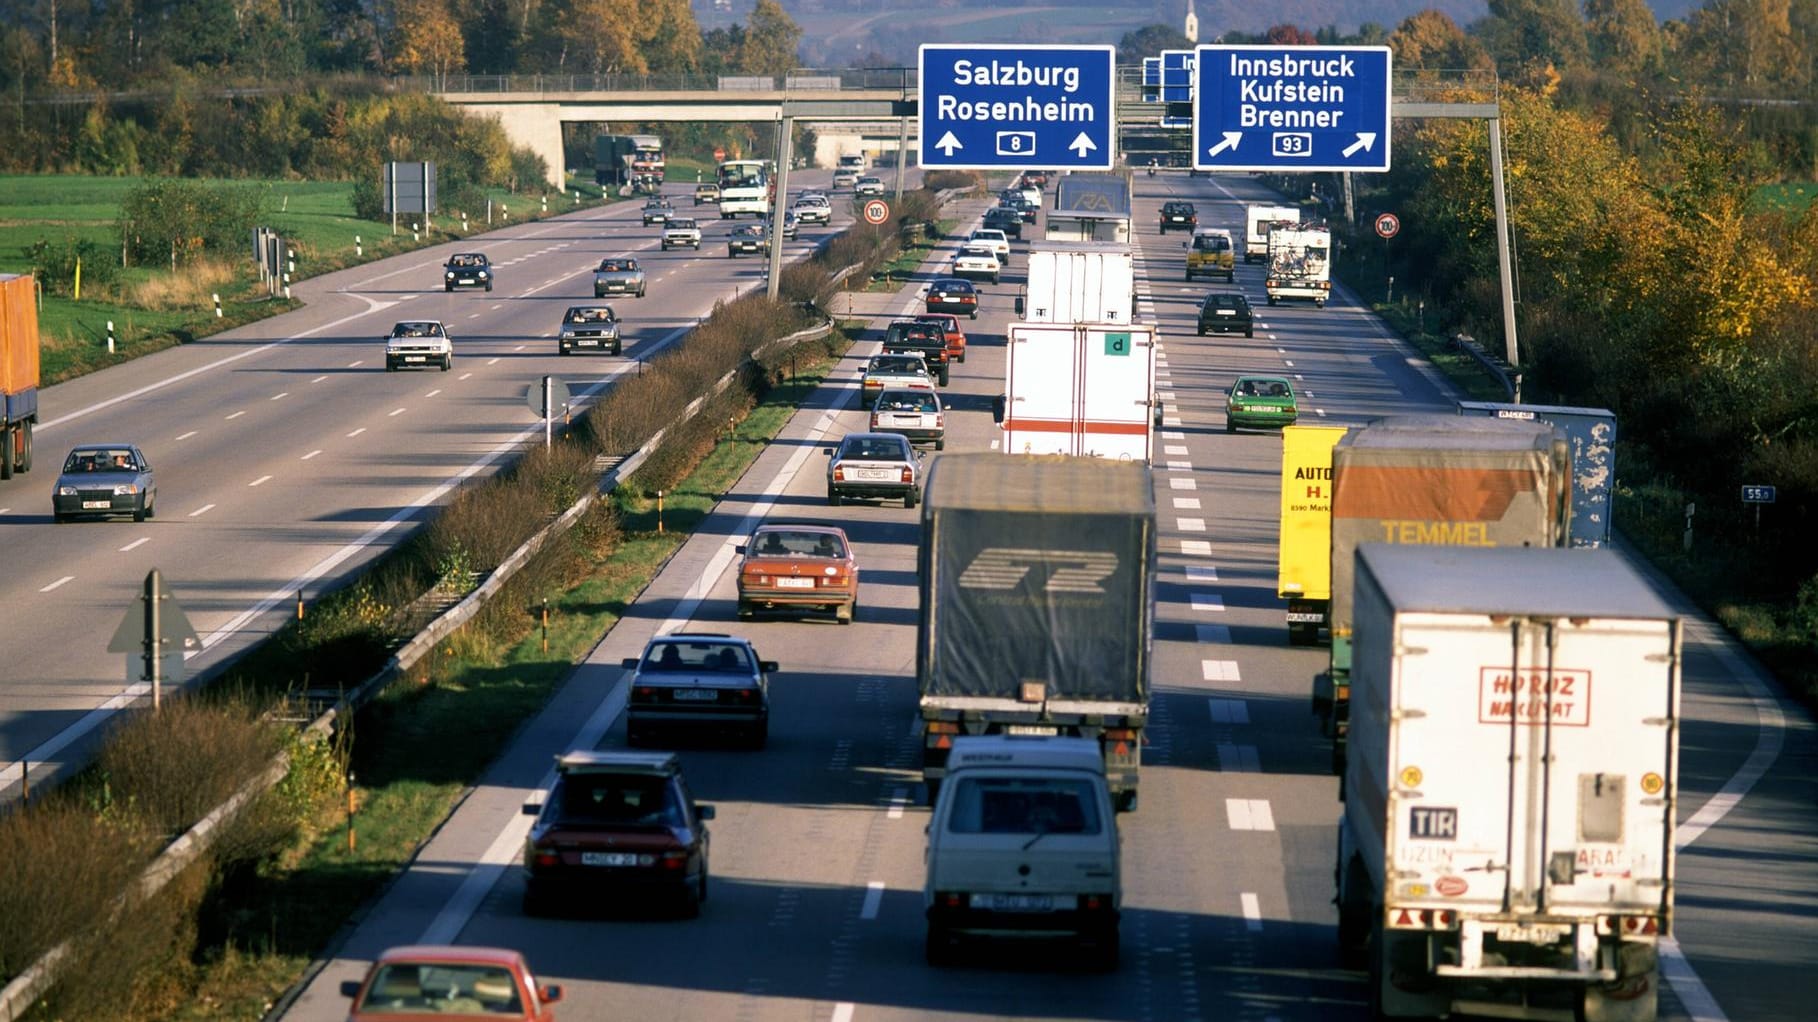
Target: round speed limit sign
<point>877,211</point>
<point>1388,224</point>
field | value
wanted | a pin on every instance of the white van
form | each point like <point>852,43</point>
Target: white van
<point>1023,844</point>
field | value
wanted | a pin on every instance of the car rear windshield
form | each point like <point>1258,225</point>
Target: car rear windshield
<point>1262,388</point>
<point>874,449</point>
<point>608,798</point>
<point>413,989</point>
<point>1024,805</point>
<point>898,364</point>
<point>906,401</point>
<point>697,655</point>
<point>784,543</point>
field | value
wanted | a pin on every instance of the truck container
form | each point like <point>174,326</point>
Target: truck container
<point>1506,844</point>
<point>1079,282</point>
<point>1590,433</point>
<point>1036,578</point>
<point>1440,480</point>
<point>18,371</point>
<point>1089,207</point>
<point>1303,574</point>
<point>1300,264</point>
<point>1079,389</point>
<point>1258,218</point>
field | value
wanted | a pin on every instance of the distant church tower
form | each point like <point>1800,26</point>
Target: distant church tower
<point>1192,24</point>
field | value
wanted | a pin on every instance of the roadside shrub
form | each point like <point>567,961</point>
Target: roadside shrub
<point>65,865</point>
<point>941,180</point>
<point>162,221</point>
<point>54,264</point>
<point>172,767</point>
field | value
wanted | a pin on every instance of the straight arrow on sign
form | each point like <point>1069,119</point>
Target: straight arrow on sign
<point>1082,145</point>
<point>1230,142</point>
<point>948,144</point>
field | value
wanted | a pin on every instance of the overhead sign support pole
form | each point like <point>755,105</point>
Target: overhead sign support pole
<point>774,235</point>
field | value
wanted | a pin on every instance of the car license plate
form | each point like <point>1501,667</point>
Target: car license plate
<point>413,358</point>
<point>96,505</point>
<point>1030,729</point>
<point>464,280</point>
<point>609,858</point>
<point>1531,933</point>
<point>795,583</point>
<point>1227,312</point>
<point>698,695</point>
<point>874,473</point>
<point>587,342</point>
<point>1015,902</point>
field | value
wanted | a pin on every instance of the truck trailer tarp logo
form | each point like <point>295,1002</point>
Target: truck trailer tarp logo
<point>1069,571</point>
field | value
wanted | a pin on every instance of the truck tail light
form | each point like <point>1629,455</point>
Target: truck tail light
<point>1423,918</point>
<point>1628,926</point>
<point>943,727</point>
<point>1120,734</point>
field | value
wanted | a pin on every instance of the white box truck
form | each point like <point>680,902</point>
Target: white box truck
<point>1085,389</point>
<point>1506,845</point>
<point>1257,220</point>
<point>1079,282</point>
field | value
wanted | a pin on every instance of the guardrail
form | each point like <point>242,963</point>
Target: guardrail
<point>1497,366</point>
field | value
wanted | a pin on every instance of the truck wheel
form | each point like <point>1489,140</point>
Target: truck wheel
<point>1126,801</point>
<point>1353,916</point>
<point>25,446</point>
<point>1634,997</point>
<point>6,453</point>
<point>1319,303</point>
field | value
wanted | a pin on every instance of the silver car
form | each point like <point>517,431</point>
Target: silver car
<point>101,480</point>
<point>589,328</point>
<point>882,465</point>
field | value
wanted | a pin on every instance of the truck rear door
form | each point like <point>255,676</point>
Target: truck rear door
<point>1532,765</point>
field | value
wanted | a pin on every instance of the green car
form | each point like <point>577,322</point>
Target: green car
<point>1260,402</point>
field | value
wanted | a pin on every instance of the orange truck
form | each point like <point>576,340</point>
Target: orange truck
<point>18,371</point>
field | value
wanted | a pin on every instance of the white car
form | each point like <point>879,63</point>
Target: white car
<point>976,261</point>
<point>998,240</point>
<point>868,186</point>
<point>418,344</point>
<point>901,370</point>
<point>680,232</point>
<point>845,177</point>
<point>813,209</point>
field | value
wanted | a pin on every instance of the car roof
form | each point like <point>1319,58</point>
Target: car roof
<point>501,956</point>
<point>1262,378</point>
<point>1018,752</point>
<point>616,761</point>
<point>832,530</point>
<point>959,282</point>
<point>468,255</point>
<point>875,436</point>
<point>416,322</point>
<point>102,447</point>
<point>1232,295</point>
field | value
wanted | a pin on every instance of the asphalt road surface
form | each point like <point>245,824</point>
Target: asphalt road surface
<point>287,457</point>
<point>815,910</point>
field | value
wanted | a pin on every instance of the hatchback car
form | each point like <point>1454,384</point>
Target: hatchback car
<point>1006,219</point>
<point>976,262</point>
<point>894,370</point>
<point>418,344</point>
<point>616,824</point>
<point>589,328</point>
<point>916,414</point>
<point>951,294</point>
<point>871,186</point>
<point>102,480</point>
<point>882,465</point>
<point>657,211</point>
<point>700,681</point>
<point>434,983</point>
<point>949,325</point>
<point>798,567</point>
<point>1178,216</point>
<point>467,269</point>
<point>747,240</point>
<point>1226,312</point>
<point>813,209</point>
<point>999,242</point>
<point>1260,402</point>
<point>706,193</point>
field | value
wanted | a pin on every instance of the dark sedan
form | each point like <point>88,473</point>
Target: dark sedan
<point>951,294</point>
<point>101,480</point>
<point>1226,311</point>
<point>1006,219</point>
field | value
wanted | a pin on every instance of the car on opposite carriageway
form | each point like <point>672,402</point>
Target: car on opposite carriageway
<point>589,328</point>
<point>418,344</point>
<point>102,480</point>
<point>467,269</point>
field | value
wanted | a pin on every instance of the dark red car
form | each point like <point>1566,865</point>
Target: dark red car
<point>436,983</point>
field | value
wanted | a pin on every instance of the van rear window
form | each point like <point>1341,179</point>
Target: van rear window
<point>1024,805</point>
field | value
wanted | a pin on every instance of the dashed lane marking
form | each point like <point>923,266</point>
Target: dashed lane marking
<point>259,481</point>
<point>1207,603</point>
<point>141,541</point>
<point>204,509</point>
<point>1249,814</point>
<point>1174,449</point>
<point>1182,484</point>
<point>1212,635</point>
<point>1219,670</point>
<point>874,898</point>
<point>1252,912</point>
<point>1186,503</point>
<point>235,415</point>
<point>59,582</point>
<point>394,411</point>
<point>1191,524</point>
<point>1180,466</point>
<point>319,379</point>
<point>187,435</point>
<point>311,454</point>
<point>280,395</point>
<point>1239,759</point>
<point>1196,547</point>
<point>357,432</point>
<point>1201,573</point>
<point>434,392</point>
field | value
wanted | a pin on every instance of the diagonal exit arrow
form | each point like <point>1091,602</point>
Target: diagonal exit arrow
<point>948,144</point>
<point>1365,139</point>
<point>1230,142</point>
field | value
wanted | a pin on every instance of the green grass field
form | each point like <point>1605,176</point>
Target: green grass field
<point>1791,197</point>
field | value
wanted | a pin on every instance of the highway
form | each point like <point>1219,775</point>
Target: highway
<point>287,458</point>
<point>815,906</point>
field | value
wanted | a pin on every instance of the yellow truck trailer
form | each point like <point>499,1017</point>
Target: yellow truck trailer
<point>1304,553</point>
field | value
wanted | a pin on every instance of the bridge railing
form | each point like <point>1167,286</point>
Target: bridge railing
<point>895,79</point>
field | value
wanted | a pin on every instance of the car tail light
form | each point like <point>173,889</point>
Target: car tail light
<point>908,475</point>
<point>950,899</point>
<point>839,474</point>
<point>673,861</point>
<point>545,857</point>
<point>1095,902</point>
<point>644,693</point>
<point>745,695</point>
<point>939,420</point>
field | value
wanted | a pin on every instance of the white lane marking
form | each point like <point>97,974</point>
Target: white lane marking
<point>1201,573</point>
<point>1174,448</point>
<point>874,898</point>
<point>1180,466</point>
<point>261,479</point>
<point>434,392</point>
<point>4,510</point>
<point>1229,711</point>
<point>1196,547</point>
<point>1173,434</point>
<point>357,432</point>
<point>1219,670</point>
<point>236,415</point>
<point>1191,524</point>
<point>394,411</point>
<point>1249,814</point>
<point>1170,420</point>
<point>311,454</point>
<point>204,509</point>
<point>842,1012</point>
<point>1166,395</point>
<point>281,395</point>
<point>187,435</point>
<point>463,376</point>
<point>1238,759</point>
<point>53,585</point>
<point>492,361</point>
<point>1212,635</point>
<point>355,364</point>
<point>142,540</point>
<point>475,315</point>
<point>1182,484</point>
<point>1186,503</point>
<point>1208,603</point>
<point>1252,912</point>
<point>1287,363</point>
<point>994,445</point>
<point>319,379</point>
<point>1700,1006</point>
<point>899,798</point>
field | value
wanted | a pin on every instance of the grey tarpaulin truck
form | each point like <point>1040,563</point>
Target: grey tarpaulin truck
<point>1036,598</point>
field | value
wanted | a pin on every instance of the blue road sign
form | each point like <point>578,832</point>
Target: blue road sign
<point>1758,494</point>
<point>996,106</point>
<point>1177,76</point>
<point>1291,108</point>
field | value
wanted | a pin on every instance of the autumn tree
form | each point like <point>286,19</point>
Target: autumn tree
<point>1150,41</point>
<point>1431,39</point>
<point>1622,36</point>
<point>1289,35</point>
<point>1535,33</point>
<point>597,38</point>
<point>771,38</point>
<point>426,38</point>
<point>1746,43</point>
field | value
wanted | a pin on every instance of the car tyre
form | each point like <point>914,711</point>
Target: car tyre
<point>640,292</point>
<point>1202,331</point>
<point>944,375</point>
<point>690,907</point>
<point>1249,331</point>
<point>833,497</point>
<point>449,288</point>
<point>939,948</point>
<point>447,362</point>
<point>940,443</point>
<point>489,287</point>
<point>843,613</point>
<point>139,512</point>
<point>1230,427</point>
<point>910,498</point>
<point>151,506</point>
<point>974,314</point>
<point>59,517</point>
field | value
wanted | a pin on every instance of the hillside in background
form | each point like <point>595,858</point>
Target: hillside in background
<point>845,32</point>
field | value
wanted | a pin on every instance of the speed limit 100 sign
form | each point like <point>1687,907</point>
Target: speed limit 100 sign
<point>877,211</point>
<point>1388,224</point>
